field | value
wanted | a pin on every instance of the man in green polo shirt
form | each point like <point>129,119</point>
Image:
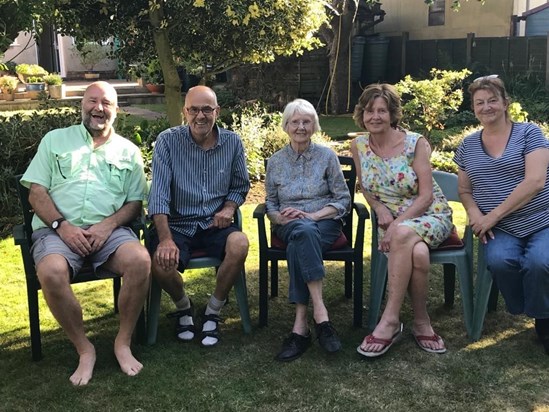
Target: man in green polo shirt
<point>86,184</point>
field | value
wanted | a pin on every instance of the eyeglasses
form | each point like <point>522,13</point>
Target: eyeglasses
<point>304,123</point>
<point>207,110</point>
<point>489,77</point>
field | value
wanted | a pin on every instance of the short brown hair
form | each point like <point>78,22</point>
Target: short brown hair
<point>388,93</point>
<point>492,84</point>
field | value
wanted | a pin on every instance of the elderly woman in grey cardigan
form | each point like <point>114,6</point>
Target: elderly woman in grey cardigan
<point>306,199</point>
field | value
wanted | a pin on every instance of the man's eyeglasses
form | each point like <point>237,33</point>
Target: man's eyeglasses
<point>490,76</point>
<point>207,110</point>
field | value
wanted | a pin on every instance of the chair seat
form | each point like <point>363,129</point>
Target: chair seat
<point>451,243</point>
<point>339,243</point>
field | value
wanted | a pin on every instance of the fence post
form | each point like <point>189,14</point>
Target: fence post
<point>469,51</point>
<point>403,51</point>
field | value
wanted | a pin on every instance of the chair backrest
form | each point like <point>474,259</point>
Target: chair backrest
<point>349,173</point>
<point>448,182</point>
<point>28,211</point>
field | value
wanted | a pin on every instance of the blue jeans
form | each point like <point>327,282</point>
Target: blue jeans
<point>306,240</point>
<point>520,268</point>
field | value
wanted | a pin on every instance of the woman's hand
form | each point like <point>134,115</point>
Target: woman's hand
<point>385,244</point>
<point>384,217</point>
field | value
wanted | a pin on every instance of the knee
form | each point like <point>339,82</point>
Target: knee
<point>53,271</point>
<point>401,236</point>
<point>306,230</point>
<point>537,264</point>
<point>237,245</point>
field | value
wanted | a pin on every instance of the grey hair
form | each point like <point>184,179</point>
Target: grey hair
<point>299,106</point>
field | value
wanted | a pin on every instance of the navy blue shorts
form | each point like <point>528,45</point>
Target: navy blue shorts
<point>211,241</point>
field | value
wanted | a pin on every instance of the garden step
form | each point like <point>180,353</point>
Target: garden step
<point>128,93</point>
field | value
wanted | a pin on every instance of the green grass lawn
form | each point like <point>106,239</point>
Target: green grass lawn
<point>506,370</point>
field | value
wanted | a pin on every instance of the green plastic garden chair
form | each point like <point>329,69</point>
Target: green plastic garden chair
<point>199,260</point>
<point>454,253</point>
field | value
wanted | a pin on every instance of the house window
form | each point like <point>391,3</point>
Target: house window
<point>436,13</point>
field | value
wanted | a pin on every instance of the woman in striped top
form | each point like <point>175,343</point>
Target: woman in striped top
<point>504,186</point>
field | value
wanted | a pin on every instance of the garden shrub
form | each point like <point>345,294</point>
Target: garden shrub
<point>20,134</point>
<point>262,135</point>
<point>441,160</point>
<point>428,103</point>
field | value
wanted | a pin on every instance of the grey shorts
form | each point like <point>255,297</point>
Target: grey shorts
<point>46,241</point>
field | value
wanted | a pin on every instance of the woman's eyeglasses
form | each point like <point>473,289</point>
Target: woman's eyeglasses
<point>489,77</point>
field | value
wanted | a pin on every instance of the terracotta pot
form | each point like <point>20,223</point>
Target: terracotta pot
<point>155,88</point>
<point>9,97</point>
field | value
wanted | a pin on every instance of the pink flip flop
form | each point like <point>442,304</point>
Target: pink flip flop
<point>433,338</point>
<point>387,343</point>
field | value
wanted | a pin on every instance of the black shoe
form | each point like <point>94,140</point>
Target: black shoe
<point>327,336</point>
<point>293,347</point>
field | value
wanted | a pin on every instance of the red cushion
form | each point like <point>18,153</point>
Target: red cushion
<point>340,242</point>
<point>452,242</point>
<point>198,253</point>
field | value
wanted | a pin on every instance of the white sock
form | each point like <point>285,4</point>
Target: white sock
<point>213,308</point>
<point>183,304</point>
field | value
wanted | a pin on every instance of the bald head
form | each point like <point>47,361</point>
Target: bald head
<point>99,106</point>
<point>200,92</point>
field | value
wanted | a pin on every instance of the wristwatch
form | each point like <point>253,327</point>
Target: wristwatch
<point>57,222</point>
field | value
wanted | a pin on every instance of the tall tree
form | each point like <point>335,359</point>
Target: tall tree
<point>213,34</point>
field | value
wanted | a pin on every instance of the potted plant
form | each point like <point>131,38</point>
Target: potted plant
<point>56,88</point>
<point>24,71</point>
<point>35,84</point>
<point>153,77</point>
<point>91,54</point>
<point>8,85</point>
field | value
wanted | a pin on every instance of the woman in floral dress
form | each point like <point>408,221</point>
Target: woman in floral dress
<point>412,213</point>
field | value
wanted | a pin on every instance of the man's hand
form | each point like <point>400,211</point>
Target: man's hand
<point>167,255</point>
<point>223,218</point>
<point>97,235</point>
<point>75,238</point>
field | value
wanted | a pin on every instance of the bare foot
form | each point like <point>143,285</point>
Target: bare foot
<point>84,372</point>
<point>129,365</point>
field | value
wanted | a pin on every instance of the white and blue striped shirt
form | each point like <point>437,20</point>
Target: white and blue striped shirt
<point>493,179</point>
<point>191,184</point>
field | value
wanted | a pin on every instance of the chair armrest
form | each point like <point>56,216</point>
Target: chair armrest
<point>363,214</point>
<point>20,236</point>
<point>259,214</point>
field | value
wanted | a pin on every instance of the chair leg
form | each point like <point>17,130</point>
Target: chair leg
<point>34,321</point>
<point>358,290</point>
<point>378,280</point>
<point>348,279</point>
<point>263,292</point>
<point>241,292</point>
<point>116,283</point>
<point>483,288</point>
<point>141,328</point>
<point>153,311</point>
<point>274,278</point>
<point>466,288</point>
<point>449,284</point>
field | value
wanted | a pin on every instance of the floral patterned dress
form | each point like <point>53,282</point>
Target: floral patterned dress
<point>393,182</point>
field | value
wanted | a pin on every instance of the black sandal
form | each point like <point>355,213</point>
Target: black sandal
<point>210,333</point>
<point>183,328</point>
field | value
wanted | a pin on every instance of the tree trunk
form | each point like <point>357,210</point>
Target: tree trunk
<point>172,89</point>
<point>337,38</point>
